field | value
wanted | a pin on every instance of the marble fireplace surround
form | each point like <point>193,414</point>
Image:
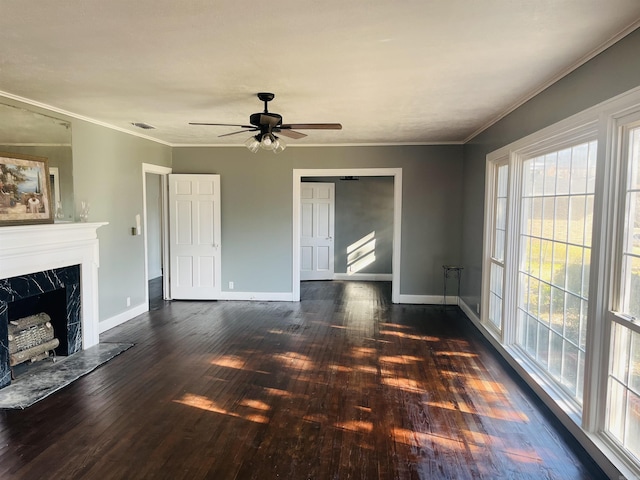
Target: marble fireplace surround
<point>46,250</point>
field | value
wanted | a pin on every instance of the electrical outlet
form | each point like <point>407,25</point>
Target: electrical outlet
<point>128,301</point>
<point>231,286</point>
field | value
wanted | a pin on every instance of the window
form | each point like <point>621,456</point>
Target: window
<point>623,403</point>
<point>554,260</point>
<point>496,281</point>
<point>561,271</point>
<point>630,292</point>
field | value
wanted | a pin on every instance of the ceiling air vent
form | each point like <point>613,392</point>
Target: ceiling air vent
<point>144,126</point>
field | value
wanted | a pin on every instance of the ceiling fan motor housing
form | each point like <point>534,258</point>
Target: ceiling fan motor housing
<point>265,119</point>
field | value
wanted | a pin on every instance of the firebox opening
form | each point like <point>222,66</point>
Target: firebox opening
<point>53,303</point>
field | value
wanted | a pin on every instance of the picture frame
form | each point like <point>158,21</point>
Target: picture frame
<point>25,195</point>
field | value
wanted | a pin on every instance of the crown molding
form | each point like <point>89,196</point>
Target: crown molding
<point>67,113</point>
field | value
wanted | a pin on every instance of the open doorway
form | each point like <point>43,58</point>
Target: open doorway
<point>155,184</point>
<point>395,173</point>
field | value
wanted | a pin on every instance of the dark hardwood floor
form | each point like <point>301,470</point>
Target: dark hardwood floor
<point>343,385</point>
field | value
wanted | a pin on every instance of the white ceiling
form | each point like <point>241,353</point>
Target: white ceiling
<point>392,72</point>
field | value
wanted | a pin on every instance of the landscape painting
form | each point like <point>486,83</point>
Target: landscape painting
<point>25,196</point>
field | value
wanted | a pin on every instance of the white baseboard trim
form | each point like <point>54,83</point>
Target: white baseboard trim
<point>427,299</point>
<point>364,277</point>
<point>123,317</point>
<point>469,312</point>
<point>258,296</point>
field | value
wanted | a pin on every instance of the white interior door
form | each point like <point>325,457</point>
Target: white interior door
<point>317,209</point>
<point>194,236</point>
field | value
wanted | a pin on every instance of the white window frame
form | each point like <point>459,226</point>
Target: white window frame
<point>493,164</point>
<point>619,126</point>
<point>607,120</point>
<point>583,129</point>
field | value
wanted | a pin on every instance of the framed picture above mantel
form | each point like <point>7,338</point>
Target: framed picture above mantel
<point>25,196</point>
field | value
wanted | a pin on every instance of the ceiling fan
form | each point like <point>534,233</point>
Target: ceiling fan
<point>268,124</point>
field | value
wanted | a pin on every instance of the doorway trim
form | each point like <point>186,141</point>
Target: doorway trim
<point>164,222</point>
<point>396,173</point>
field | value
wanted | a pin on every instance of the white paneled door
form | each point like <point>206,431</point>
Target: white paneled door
<point>316,230</point>
<point>194,236</point>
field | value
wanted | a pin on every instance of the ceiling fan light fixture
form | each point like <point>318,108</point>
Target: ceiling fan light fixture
<point>253,143</point>
<point>279,145</point>
<point>268,139</point>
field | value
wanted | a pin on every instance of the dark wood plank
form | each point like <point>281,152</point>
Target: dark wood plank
<point>341,385</point>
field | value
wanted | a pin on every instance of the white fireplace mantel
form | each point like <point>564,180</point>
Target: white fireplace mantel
<point>36,248</point>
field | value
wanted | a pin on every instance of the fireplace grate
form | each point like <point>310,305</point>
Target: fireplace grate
<point>31,339</point>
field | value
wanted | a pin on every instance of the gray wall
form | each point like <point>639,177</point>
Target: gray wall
<point>107,173</point>
<point>362,206</point>
<point>257,196</point>
<point>107,168</point>
<point>614,71</point>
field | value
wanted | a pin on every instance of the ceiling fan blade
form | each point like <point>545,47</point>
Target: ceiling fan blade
<point>312,126</point>
<point>239,131</point>
<point>222,124</point>
<point>290,133</point>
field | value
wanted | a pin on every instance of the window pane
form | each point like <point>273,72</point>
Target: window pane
<point>503,175</point>
<point>564,172</point>
<point>580,387</point>
<point>495,297</point>
<point>536,217</point>
<point>591,172</point>
<point>632,427</point>
<point>555,235</point>
<point>620,352</point>
<point>583,324</point>
<point>555,354</point>
<point>498,251</point>
<point>588,221</point>
<point>574,270</point>
<point>548,216</point>
<point>572,318</point>
<point>546,260</point>
<point>623,401</point>
<point>526,207</point>
<point>631,286</point>
<point>570,367</point>
<point>586,265</point>
<point>532,335</point>
<point>634,220</point>
<point>501,213</point>
<point>542,354</point>
<point>576,220</point>
<point>617,402</point>
<point>523,290</point>
<point>579,166</point>
<point>537,173</point>
<point>634,154</point>
<point>630,261</point>
<point>559,276</point>
<point>634,366</point>
<point>498,245</point>
<point>550,165</point>
<point>557,309</point>
<point>561,224</point>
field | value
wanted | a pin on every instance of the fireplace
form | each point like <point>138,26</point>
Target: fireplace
<point>53,269</point>
<point>54,292</point>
